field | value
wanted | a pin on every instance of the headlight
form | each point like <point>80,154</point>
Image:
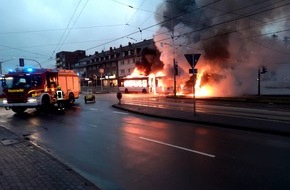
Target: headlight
<point>5,101</point>
<point>31,100</point>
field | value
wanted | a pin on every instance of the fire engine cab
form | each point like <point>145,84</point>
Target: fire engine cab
<point>35,88</point>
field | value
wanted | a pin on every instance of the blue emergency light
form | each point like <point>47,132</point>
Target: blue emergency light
<point>29,69</point>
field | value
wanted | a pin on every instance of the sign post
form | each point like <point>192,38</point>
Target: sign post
<point>192,60</point>
<point>101,70</point>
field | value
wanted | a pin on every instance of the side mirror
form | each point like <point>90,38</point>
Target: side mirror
<point>3,82</point>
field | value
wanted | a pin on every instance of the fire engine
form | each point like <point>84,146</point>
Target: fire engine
<point>35,88</point>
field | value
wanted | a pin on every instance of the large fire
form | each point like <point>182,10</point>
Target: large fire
<point>202,90</point>
<point>136,73</point>
<point>158,83</point>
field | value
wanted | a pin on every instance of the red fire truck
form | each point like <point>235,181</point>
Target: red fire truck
<point>35,88</point>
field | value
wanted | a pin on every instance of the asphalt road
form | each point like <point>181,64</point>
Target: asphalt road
<point>120,150</point>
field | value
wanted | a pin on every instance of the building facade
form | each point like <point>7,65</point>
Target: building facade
<point>65,59</point>
<point>107,67</point>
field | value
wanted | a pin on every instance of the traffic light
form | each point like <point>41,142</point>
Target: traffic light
<point>21,62</point>
<point>175,69</point>
<point>264,70</point>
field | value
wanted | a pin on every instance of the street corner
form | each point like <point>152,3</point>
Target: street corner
<point>7,137</point>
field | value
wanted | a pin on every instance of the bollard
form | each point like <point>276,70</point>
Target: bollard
<point>119,96</point>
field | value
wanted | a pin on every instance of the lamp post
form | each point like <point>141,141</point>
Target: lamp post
<point>4,62</point>
<point>101,70</point>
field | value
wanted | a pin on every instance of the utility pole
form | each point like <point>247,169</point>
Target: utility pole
<point>264,70</point>
<point>174,78</point>
<point>175,66</point>
<point>259,82</point>
<point>173,54</point>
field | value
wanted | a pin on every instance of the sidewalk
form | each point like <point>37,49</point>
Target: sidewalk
<point>241,123</point>
<point>23,166</point>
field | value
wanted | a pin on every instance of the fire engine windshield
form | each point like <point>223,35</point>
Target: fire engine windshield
<point>17,82</point>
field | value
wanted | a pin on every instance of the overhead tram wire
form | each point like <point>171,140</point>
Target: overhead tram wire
<point>226,13</point>
<point>80,28</point>
<point>132,7</point>
<point>61,29</point>
<point>49,30</point>
<point>204,6</point>
<point>151,25</point>
<point>133,16</point>
<point>150,16</point>
<point>135,11</point>
<point>261,22</point>
<point>270,47</point>
<point>230,20</point>
<point>57,46</point>
<point>74,23</point>
<point>22,50</point>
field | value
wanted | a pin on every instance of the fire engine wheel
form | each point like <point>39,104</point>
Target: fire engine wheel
<point>126,91</point>
<point>144,91</point>
<point>18,110</point>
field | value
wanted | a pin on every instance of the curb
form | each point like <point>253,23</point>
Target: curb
<point>229,122</point>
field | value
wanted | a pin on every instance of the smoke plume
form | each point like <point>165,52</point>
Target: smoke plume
<point>235,38</point>
<point>150,61</point>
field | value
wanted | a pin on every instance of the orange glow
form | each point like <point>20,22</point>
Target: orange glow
<point>204,90</point>
<point>157,84</point>
<point>153,81</point>
<point>136,73</point>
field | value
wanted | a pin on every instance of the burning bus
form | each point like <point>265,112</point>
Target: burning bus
<point>138,83</point>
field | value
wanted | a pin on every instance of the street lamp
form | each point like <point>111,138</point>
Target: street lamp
<point>4,62</point>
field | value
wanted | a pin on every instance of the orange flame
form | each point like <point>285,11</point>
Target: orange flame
<point>136,73</point>
<point>202,90</point>
<point>157,85</point>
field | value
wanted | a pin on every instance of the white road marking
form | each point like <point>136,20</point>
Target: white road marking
<point>118,112</point>
<point>92,125</point>
<point>179,147</point>
<point>94,109</point>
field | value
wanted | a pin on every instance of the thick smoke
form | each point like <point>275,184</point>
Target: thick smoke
<point>235,38</point>
<point>217,51</point>
<point>150,61</point>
